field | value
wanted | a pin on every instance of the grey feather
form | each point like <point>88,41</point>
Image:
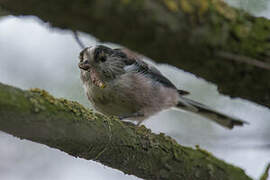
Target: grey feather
<point>210,113</point>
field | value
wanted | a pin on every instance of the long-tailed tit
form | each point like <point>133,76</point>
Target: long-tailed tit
<point>119,83</point>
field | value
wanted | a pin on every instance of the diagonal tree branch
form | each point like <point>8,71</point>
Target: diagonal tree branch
<point>185,33</point>
<point>265,175</point>
<point>37,116</point>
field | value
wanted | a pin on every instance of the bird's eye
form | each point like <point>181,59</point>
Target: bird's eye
<point>102,59</point>
<point>81,57</point>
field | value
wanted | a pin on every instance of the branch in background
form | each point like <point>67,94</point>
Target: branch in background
<point>244,59</point>
<point>184,33</point>
<point>37,116</point>
<point>3,12</point>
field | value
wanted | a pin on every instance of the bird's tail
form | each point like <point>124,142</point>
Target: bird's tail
<point>208,112</point>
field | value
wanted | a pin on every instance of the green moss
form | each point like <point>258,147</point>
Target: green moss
<point>241,31</point>
<point>203,151</point>
<point>194,6</point>
<point>265,175</point>
<point>172,5</point>
<point>125,1</point>
<point>68,126</point>
<point>224,10</point>
<point>40,98</point>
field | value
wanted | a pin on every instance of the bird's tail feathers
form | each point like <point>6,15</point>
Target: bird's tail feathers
<point>208,112</point>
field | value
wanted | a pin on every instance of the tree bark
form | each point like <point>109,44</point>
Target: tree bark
<point>58,123</point>
<point>206,37</point>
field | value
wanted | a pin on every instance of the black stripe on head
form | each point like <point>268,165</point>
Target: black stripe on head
<point>119,53</point>
<point>82,54</point>
<point>102,49</point>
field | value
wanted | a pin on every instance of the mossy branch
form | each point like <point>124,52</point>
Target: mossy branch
<point>185,33</point>
<point>265,175</point>
<point>66,125</point>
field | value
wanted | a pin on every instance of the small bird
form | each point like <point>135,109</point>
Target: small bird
<point>118,82</point>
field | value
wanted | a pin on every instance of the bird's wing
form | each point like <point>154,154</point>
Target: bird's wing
<point>135,63</point>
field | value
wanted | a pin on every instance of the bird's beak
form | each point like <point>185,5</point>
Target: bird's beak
<point>84,65</point>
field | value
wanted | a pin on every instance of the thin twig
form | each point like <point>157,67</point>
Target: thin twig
<point>243,59</point>
<point>76,37</point>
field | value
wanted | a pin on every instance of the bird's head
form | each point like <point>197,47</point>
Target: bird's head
<point>103,60</point>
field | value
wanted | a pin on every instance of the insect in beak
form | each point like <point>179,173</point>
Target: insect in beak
<point>95,79</point>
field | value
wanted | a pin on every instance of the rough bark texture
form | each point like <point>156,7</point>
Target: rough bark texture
<point>189,34</point>
<point>37,116</point>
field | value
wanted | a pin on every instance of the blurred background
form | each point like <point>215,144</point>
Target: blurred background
<point>33,54</point>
